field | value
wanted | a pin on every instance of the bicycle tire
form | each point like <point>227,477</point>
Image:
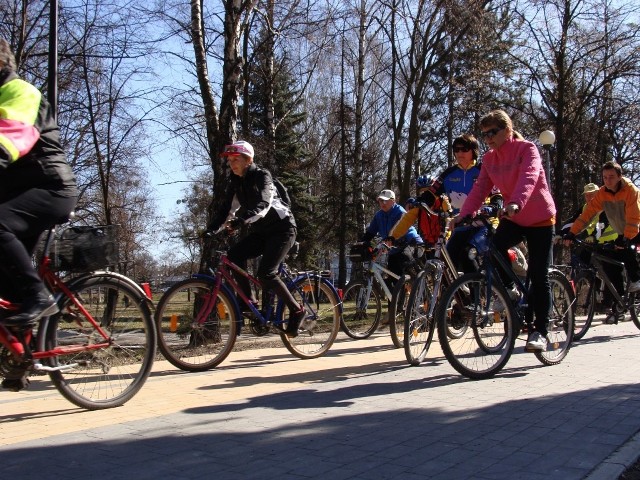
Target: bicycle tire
<point>187,343</point>
<point>418,325</point>
<point>634,308</point>
<point>585,304</point>
<point>319,329</point>
<point>484,348</point>
<point>103,377</point>
<point>361,313</point>
<point>560,329</point>
<point>398,307</point>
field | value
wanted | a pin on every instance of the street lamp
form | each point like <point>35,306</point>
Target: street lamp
<point>547,139</point>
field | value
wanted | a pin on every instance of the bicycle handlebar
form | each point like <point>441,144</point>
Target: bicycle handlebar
<point>595,246</point>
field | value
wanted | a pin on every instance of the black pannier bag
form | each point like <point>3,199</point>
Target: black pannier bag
<point>80,249</point>
<point>360,252</point>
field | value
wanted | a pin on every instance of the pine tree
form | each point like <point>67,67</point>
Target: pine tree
<point>290,156</point>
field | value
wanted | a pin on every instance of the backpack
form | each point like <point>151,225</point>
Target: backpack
<point>282,191</point>
<point>429,225</point>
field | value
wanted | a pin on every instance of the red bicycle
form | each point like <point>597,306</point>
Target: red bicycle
<point>99,348</point>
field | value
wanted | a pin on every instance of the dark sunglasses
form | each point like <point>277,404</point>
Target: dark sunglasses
<point>461,149</point>
<point>490,133</point>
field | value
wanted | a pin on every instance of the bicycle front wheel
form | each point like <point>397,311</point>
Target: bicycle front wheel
<point>398,307</point>
<point>196,332</point>
<point>585,305</point>
<point>318,330</point>
<point>485,338</point>
<point>560,329</point>
<point>86,374</point>
<point>362,309</point>
<point>418,322</point>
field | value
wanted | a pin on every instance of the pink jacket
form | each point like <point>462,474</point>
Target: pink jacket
<point>516,169</point>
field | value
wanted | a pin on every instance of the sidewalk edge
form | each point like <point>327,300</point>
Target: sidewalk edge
<point>616,463</point>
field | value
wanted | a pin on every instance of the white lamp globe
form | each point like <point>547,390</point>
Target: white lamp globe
<point>547,138</point>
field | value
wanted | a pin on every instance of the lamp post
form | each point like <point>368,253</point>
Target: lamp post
<point>547,139</point>
<point>52,90</point>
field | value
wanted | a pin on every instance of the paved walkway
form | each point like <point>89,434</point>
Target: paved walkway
<point>358,413</point>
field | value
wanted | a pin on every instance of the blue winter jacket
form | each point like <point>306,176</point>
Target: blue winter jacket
<point>383,222</point>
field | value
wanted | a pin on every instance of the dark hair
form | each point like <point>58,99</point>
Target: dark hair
<point>469,141</point>
<point>611,165</point>
<point>7,58</point>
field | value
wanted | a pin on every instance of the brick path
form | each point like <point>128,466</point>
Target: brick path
<point>358,413</point>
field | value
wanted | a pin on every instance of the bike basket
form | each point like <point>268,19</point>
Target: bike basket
<point>85,248</point>
<point>360,252</point>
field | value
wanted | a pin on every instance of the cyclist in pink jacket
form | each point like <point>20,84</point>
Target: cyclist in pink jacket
<point>514,166</point>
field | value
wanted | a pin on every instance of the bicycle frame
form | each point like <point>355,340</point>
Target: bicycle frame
<point>596,269</point>
<point>377,270</point>
<point>598,260</point>
<point>223,273</point>
<point>442,263</point>
<point>12,341</point>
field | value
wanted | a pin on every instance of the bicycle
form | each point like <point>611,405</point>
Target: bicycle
<point>489,334</point>
<point>590,278</point>
<point>362,297</point>
<point>99,348</point>
<point>426,288</point>
<point>199,319</point>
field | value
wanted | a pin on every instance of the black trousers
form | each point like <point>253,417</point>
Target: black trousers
<point>540,251</point>
<point>23,218</point>
<point>273,246</point>
<point>457,245</point>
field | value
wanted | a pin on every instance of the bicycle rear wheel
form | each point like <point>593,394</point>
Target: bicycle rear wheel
<point>634,307</point>
<point>361,310</point>
<point>398,307</point>
<point>418,324</point>
<point>318,330</point>
<point>99,378</point>
<point>196,332</point>
<point>585,304</point>
<point>560,329</point>
<point>486,338</point>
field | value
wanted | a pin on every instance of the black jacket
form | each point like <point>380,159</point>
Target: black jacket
<point>254,200</point>
<point>31,155</point>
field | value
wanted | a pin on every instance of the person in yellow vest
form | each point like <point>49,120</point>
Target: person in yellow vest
<point>599,230</point>
<point>619,198</point>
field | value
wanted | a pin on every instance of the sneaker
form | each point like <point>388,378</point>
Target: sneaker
<point>40,305</point>
<point>536,342</point>
<point>294,322</point>
<point>514,295</point>
<point>634,286</point>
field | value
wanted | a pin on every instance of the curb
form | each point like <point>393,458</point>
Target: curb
<point>616,463</point>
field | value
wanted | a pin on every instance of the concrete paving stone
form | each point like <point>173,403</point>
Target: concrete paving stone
<point>367,414</point>
<point>431,468</point>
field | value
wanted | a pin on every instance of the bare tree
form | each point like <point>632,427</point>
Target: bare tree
<point>594,54</point>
